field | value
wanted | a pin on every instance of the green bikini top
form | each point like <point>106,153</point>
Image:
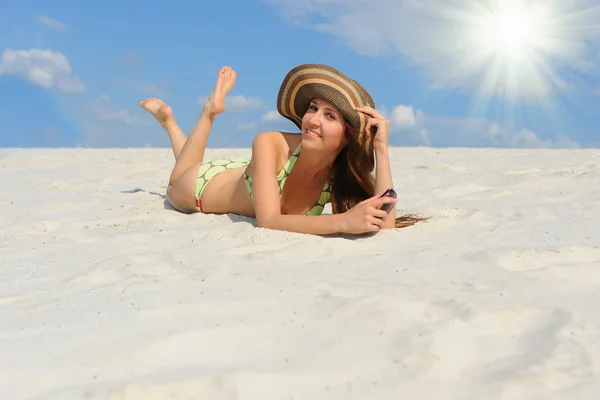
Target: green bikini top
<point>282,178</point>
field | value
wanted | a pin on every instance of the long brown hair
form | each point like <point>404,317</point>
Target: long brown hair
<point>352,180</point>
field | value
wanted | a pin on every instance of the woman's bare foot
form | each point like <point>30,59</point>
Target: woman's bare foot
<point>161,111</point>
<point>164,115</point>
<point>225,82</point>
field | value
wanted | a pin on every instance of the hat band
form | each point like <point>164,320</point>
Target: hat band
<point>292,106</point>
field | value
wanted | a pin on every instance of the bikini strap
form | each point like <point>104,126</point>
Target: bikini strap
<point>297,150</point>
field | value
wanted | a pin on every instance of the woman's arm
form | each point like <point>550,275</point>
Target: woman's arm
<point>383,173</point>
<point>383,178</point>
<point>267,205</point>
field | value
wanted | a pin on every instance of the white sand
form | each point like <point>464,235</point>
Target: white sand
<point>105,293</point>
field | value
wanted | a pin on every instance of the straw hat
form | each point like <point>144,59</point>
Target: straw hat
<point>308,81</point>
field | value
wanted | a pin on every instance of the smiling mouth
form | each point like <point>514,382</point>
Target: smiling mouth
<point>311,133</point>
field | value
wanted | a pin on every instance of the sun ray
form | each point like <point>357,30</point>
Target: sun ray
<point>516,51</point>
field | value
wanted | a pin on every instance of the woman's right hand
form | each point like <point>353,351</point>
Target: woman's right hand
<point>366,216</point>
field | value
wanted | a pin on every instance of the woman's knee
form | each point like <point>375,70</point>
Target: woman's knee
<point>175,200</point>
<point>181,194</point>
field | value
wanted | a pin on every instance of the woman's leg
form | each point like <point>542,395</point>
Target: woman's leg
<point>190,153</point>
<point>164,115</point>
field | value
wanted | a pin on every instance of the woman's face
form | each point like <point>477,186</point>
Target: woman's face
<point>323,126</point>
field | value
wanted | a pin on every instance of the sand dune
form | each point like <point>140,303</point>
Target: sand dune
<point>106,293</point>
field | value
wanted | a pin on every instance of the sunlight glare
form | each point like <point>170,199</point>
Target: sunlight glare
<point>511,31</point>
<point>514,30</point>
<point>519,51</point>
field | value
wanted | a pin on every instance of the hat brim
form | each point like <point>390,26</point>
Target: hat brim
<point>309,81</point>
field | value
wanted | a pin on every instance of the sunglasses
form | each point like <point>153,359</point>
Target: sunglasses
<point>388,206</point>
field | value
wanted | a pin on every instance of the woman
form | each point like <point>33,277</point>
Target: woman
<point>290,177</point>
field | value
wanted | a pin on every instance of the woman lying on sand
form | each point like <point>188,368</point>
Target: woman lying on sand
<point>290,177</point>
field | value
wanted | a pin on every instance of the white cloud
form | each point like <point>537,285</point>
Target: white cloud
<point>295,11</point>
<point>241,103</point>
<point>272,116</point>
<point>120,115</point>
<point>101,123</point>
<point>424,137</point>
<point>247,126</point>
<point>409,127</point>
<point>403,117</point>
<point>149,88</point>
<point>103,112</point>
<point>70,85</point>
<point>237,103</point>
<point>434,36</point>
<point>52,23</point>
<point>44,68</point>
<point>527,139</point>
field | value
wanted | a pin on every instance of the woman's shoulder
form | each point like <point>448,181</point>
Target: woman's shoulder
<point>279,142</point>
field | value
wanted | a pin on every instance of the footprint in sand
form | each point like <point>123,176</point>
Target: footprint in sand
<point>531,259</point>
<point>279,251</point>
<point>446,218</point>
<point>577,264</point>
<point>218,385</point>
<point>98,274</point>
<point>461,189</point>
<point>442,167</point>
<point>517,345</point>
<point>163,267</point>
<point>459,213</point>
<point>576,171</point>
<point>120,268</point>
<point>259,250</point>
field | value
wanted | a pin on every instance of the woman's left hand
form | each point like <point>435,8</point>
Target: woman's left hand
<point>379,122</point>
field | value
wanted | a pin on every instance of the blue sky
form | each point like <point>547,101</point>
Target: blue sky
<point>71,73</point>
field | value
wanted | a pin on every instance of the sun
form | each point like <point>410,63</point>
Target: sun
<point>514,30</point>
<point>502,51</point>
<point>511,32</point>
<point>509,45</point>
